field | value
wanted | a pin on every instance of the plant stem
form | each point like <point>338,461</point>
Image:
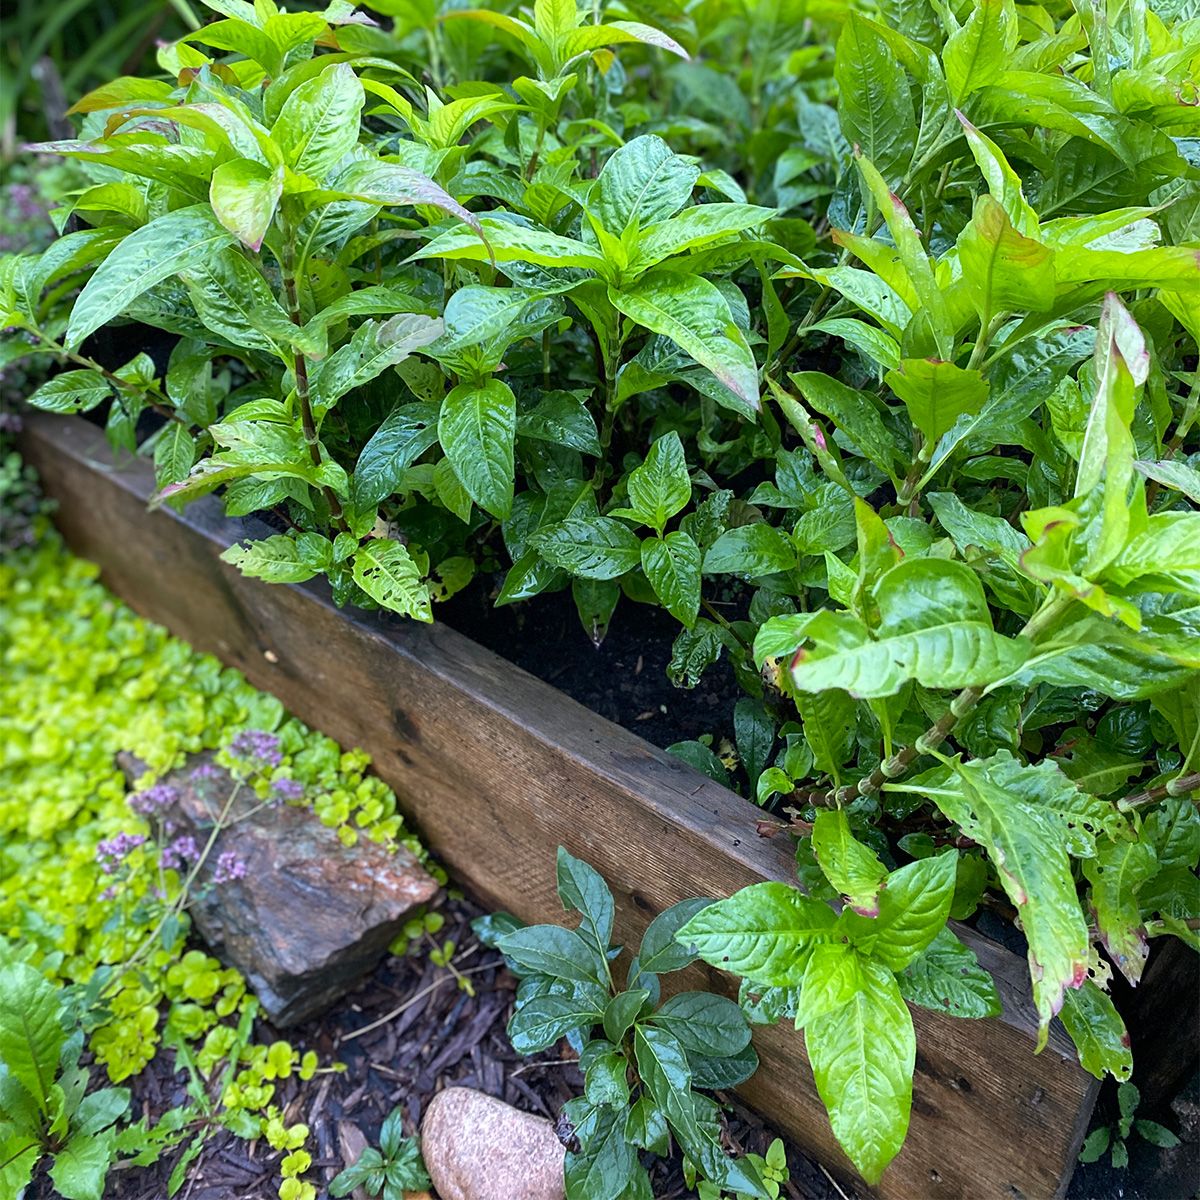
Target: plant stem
<point>1181,785</point>
<point>300,370</point>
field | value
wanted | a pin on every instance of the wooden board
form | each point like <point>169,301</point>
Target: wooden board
<point>495,769</point>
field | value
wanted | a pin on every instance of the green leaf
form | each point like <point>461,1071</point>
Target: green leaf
<point>980,50</point>
<point>81,1166</point>
<point>660,486</point>
<point>662,1064</point>
<point>592,547</point>
<point>1012,812</point>
<point>31,1037</point>
<point>874,99</point>
<point>852,868</point>
<point>764,933</point>
<point>621,1012</point>
<point>234,301</point>
<point>541,1021</point>
<point>608,1167</point>
<point>169,244</point>
<point>946,977</point>
<point>700,225</point>
<point>508,241</point>
<point>174,454</point>
<point>862,1057</point>
<point>937,393</point>
<point>318,124</point>
<point>477,427</point>
<point>704,1023</point>
<point>647,1127</point>
<point>375,346</point>
<point>606,1080</point>
<point>660,952</point>
<point>1004,271</point>
<point>914,906</point>
<point>582,889</point>
<point>282,558</point>
<point>833,977</point>
<point>672,565</point>
<point>243,195</point>
<point>385,570</point>
<point>750,550</point>
<point>695,315</point>
<point>554,951</point>
<point>1116,873</point>
<point>72,392</point>
<point>934,627</point>
<point>406,433</point>
<point>853,413</point>
<point>643,180</point>
<point>1098,1032</point>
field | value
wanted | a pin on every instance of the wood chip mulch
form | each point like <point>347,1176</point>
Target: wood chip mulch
<point>423,1034</point>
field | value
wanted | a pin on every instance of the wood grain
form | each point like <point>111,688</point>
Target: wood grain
<point>495,769</point>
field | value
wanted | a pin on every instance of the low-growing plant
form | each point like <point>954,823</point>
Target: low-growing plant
<point>46,1109</point>
<point>642,1057</point>
<point>390,1172</point>
<point>1113,1138</point>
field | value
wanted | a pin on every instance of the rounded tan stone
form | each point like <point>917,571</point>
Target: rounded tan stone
<point>479,1148</point>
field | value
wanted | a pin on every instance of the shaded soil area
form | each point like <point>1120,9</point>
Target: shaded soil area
<point>623,679</point>
<point>406,1033</point>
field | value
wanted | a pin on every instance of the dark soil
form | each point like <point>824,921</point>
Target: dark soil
<point>427,1035</point>
<point>623,679</point>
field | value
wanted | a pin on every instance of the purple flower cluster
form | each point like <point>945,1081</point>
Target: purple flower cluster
<point>256,747</point>
<point>113,851</point>
<point>287,790</point>
<point>229,867</point>
<point>178,853</point>
<point>154,800</point>
<point>207,770</point>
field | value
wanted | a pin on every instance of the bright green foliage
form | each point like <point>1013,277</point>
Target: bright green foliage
<point>853,972</point>
<point>84,678</point>
<point>641,1058</point>
<point>860,339</point>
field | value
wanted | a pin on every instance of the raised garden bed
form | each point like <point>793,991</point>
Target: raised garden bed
<point>495,769</point>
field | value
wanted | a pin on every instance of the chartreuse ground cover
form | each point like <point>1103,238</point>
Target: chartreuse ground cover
<point>93,905</point>
<point>860,337</point>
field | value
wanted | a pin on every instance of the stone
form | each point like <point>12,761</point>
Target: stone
<point>308,917</point>
<point>479,1148</point>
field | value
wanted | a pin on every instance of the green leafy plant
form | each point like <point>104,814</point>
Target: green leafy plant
<point>860,339</point>
<point>45,1107</point>
<point>772,1169</point>
<point>1113,1138</point>
<point>642,1057</point>
<point>389,1172</point>
<point>846,978</point>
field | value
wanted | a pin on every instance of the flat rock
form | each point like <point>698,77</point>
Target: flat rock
<point>479,1148</point>
<point>310,916</point>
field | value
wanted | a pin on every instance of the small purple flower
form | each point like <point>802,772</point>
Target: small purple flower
<point>113,851</point>
<point>287,790</point>
<point>229,867</point>
<point>179,853</point>
<point>154,799</point>
<point>109,893</point>
<point>256,747</point>
<point>207,770</point>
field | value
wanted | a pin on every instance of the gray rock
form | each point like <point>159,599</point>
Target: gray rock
<point>479,1148</point>
<point>310,916</point>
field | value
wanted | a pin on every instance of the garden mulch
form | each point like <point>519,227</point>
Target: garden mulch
<point>422,1034</point>
<point>408,1031</point>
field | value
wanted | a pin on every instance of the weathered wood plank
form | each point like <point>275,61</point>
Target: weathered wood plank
<point>495,769</point>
